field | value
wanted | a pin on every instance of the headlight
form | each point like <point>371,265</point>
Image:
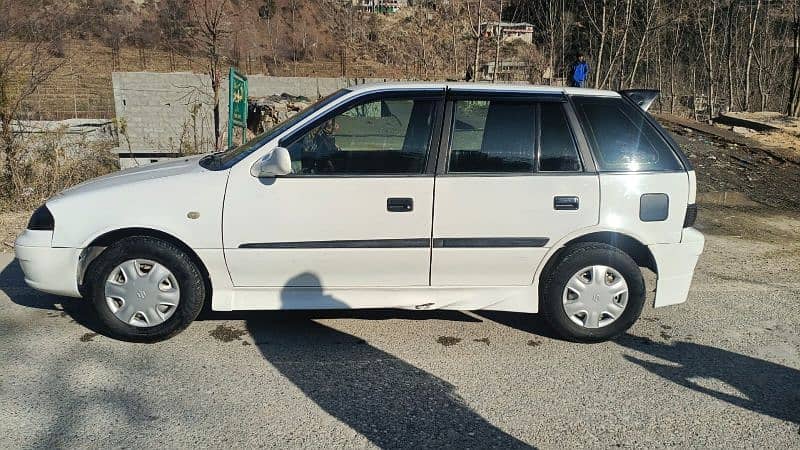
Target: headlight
<point>42,219</point>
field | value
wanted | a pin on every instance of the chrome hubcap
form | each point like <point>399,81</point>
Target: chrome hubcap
<point>595,296</point>
<point>142,293</point>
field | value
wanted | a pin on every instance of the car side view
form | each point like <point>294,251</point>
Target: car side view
<point>418,196</point>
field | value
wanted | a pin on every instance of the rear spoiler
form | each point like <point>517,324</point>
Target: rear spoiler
<point>642,97</point>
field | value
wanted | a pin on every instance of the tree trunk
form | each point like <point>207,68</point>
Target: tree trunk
<point>551,32</point>
<point>793,107</point>
<point>563,37</point>
<point>672,57</point>
<point>477,44</point>
<point>621,79</point>
<point>498,39</point>
<point>729,53</point>
<point>708,55</point>
<point>603,31</point>
<point>753,23</point>
<point>660,73</point>
<point>215,86</point>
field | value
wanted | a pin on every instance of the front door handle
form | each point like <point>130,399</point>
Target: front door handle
<point>564,203</point>
<point>398,204</point>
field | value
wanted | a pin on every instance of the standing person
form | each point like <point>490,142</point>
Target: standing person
<point>580,72</point>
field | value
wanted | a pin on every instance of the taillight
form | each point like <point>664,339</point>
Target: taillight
<point>691,215</point>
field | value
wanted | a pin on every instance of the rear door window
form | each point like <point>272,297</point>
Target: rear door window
<point>622,138</point>
<point>491,136</point>
<point>557,149</point>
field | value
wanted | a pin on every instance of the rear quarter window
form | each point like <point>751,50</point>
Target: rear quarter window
<point>622,138</point>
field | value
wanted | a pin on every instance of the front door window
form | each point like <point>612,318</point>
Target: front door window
<point>381,137</point>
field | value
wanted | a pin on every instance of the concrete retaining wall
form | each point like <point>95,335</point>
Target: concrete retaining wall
<point>165,113</point>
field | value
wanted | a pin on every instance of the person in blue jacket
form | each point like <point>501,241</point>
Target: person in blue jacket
<point>580,72</point>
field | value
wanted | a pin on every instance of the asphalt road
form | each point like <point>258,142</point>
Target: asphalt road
<point>722,370</point>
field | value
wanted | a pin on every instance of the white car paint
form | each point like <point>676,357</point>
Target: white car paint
<point>510,206</point>
<point>333,209</point>
<point>235,208</point>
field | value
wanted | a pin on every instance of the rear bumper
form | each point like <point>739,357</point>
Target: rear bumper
<point>47,269</point>
<point>675,264</point>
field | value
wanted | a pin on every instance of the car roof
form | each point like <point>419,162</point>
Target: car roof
<point>482,87</point>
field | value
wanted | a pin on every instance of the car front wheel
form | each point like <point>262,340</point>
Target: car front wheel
<point>593,293</point>
<point>145,289</point>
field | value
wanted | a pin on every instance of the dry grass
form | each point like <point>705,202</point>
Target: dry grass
<point>51,163</point>
<point>11,224</point>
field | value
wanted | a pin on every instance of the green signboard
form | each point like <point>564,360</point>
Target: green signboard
<point>237,104</point>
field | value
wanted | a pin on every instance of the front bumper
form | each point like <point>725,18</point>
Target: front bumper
<point>47,269</point>
<point>675,264</point>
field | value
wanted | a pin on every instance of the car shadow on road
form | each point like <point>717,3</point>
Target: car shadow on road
<point>765,387</point>
<point>528,323</point>
<point>12,284</point>
<point>385,399</point>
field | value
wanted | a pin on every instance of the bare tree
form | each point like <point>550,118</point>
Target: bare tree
<point>601,29</point>
<point>266,12</point>
<point>651,9</point>
<point>750,51</point>
<point>211,22</point>
<point>345,25</point>
<point>478,35</point>
<point>25,65</point>
<point>705,19</point>
<point>498,41</point>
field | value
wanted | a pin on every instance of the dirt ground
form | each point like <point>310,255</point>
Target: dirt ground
<point>785,135</point>
<point>722,166</point>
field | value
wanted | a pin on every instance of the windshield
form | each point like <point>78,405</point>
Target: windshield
<point>226,159</point>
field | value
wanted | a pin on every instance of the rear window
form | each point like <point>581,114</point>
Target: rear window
<point>622,138</point>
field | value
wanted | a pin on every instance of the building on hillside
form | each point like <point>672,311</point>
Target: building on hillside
<point>510,31</point>
<point>380,6</point>
<point>506,71</point>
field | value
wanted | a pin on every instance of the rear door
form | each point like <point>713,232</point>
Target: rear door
<point>512,180</point>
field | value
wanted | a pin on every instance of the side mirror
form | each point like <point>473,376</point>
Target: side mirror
<point>273,164</point>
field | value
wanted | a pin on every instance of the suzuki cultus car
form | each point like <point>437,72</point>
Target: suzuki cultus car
<point>418,196</point>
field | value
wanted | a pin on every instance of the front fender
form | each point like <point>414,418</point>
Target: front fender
<point>161,204</point>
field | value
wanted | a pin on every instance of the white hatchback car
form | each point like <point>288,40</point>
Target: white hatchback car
<point>419,196</point>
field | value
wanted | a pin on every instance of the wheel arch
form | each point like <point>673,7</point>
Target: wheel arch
<point>639,252</point>
<point>634,248</point>
<point>98,245</point>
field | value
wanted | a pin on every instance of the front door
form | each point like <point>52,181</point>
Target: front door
<point>357,210</point>
<point>512,184</point>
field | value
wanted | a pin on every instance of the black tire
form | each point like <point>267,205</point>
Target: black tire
<point>189,278</point>
<point>572,260</point>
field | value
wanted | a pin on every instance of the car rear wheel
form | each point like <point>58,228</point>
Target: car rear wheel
<point>593,293</point>
<point>145,289</point>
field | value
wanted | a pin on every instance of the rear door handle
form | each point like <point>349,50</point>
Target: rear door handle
<point>562,203</point>
<point>398,204</point>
